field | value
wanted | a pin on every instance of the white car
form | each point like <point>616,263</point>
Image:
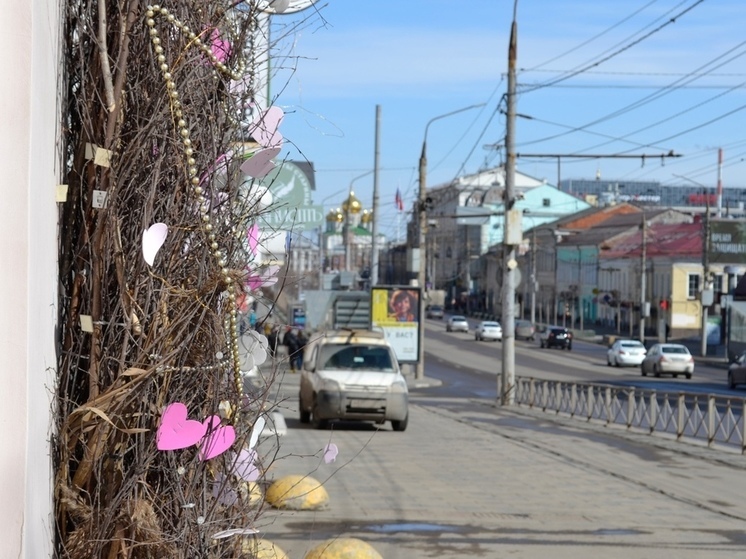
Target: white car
<point>457,323</point>
<point>673,359</point>
<point>488,330</point>
<point>625,353</point>
<point>352,375</point>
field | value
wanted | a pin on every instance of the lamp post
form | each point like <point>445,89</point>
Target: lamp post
<point>422,225</point>
<point>705,290</point>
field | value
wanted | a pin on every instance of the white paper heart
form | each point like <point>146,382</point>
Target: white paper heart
<point>260,163</point>
<point>256,431</point>
<point>152,240</point>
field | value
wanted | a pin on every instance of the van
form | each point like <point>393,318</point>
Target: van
<point>352,375</point>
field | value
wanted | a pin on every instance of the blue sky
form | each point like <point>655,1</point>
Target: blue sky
<point>640,86</point>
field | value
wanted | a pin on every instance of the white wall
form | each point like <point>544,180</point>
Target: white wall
<point>28,251</point>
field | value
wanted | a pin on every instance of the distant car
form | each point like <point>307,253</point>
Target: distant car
<point>556,336</point>
<point>737,371</point>
<point>673,359</point>
<point>434,311</point>
<point>624,353</point>
<point>488,330</point>
<point>525,329</point>
<point>457,323</point>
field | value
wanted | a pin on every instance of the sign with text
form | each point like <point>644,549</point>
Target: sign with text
<point>728,241</point>
<point>396,311</point>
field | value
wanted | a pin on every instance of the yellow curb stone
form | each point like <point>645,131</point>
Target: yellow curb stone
<point>297,493</point>
<point>251,491</point>
<point>261,549</point>
<point>343,548</point>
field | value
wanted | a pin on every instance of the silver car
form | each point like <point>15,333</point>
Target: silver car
<point>488,330</point>
<point>626,353</point>
<point>457,323</point>
<point>673,359</point>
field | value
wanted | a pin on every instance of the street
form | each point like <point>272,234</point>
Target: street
<point>468,478</point>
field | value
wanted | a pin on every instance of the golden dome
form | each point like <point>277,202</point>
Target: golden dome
<point>367,216</point>
<point>352,204</point>
<point>335,216</point>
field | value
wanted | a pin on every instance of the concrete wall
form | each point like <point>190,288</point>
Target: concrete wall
<point>28,248</point>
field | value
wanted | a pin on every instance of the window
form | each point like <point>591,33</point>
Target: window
<point>692,286</point>
<point>546,202</point>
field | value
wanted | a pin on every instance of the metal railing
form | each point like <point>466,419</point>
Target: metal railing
<point>716,420</point>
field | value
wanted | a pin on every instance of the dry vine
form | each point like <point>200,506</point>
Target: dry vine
<point>160,334</point>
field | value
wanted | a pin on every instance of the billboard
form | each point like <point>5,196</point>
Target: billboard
<point>727,241</point>
<point>395,310</point>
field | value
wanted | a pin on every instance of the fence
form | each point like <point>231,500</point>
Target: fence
<point>717,420</point>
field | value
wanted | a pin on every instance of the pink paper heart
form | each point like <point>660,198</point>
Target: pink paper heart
<point>218,439</point>
<point>265,277</point>
<point>330,453</point>
<point>152,240</point>
<point>260,163</point>
<point>176,431</point>
<point>253,236</point>
<point>264,129</point>
<point>220,49</point>
<point>245,465</point>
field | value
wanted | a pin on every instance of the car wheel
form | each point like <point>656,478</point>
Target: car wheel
<point>644,372</point>
<point>569,347</point>
<point>689,376</point>
<point>616,362</point>
<point>541,343</point>
<point>731,384</point>
<point>476,338</point>
<point>656,371</point>
<point>317,422</point>
<point>608,362</point>
<point>305,416</point>
<point>400,425</point>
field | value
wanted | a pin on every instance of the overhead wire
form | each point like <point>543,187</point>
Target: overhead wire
<point>615,53</point>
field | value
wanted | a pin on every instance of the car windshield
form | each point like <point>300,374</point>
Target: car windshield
<point>490,325</point>
<point>458,318</point>
<point>343,356</point>
<point>674,349</point>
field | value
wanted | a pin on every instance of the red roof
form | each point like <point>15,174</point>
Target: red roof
<point>676,239</point>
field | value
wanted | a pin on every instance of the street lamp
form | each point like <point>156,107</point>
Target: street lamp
<point>705,291</point>
<point>422,223</point>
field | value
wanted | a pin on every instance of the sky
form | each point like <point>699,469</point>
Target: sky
<point>603,78</point>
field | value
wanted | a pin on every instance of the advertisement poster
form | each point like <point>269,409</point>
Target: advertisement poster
<point>396,311</point>
<point>299,317</point>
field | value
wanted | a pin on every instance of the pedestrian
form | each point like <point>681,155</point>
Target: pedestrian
<point>252,319</point>
<point>302,340</point>
<point>290,340</point>
<point>272,340</point>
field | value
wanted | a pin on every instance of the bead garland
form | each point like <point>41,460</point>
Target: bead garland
<point>231,321</point>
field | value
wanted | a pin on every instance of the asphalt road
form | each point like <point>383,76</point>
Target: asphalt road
<point>469,479</point>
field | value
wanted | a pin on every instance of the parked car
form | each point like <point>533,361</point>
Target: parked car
<point>434,311</point>
<point>352,375</point>
<point>556,336</point>
<point>673,359</point>
<point>457,323</point>
<point>737,371</point>
<point>626,353</point>
<point>525,329</point>
<point>488,330</point>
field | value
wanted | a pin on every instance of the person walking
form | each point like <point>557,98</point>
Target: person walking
<point>290,340</point>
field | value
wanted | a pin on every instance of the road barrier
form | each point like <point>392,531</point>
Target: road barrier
<point>718,421</point>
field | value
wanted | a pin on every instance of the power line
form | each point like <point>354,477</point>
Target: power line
<point>616,52</point>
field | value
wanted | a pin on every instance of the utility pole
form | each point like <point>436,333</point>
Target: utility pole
<point>705,293</point>
<point>533,275</point>
<point>643,276</point>
<point>580,286</point>
<point>374,242</point>
<point>507,393</point>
